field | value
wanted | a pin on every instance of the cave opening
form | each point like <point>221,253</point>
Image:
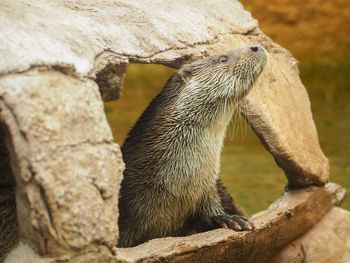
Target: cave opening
<point>248,171</point>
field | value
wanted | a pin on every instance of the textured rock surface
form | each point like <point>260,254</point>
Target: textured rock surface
<point>327,242</point>
<point>287,218</point>
<point>66,166</point>
<point>23,253</point>
<point>136,31</point>
<point>338,193</point>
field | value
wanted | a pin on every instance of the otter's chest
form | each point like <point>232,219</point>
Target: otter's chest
<point>195,167</point>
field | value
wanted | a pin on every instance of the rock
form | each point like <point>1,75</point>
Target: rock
<point>23,253</point>
<point>67,167</point>
<point>337,192</point>
<point>288,218</point>
<point>327,241</point>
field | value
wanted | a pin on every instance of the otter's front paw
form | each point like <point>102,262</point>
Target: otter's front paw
<point>235,222</point>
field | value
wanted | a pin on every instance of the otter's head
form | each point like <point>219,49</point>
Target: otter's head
<point>229,75</point>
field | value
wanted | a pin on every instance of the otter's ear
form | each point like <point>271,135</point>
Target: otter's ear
<point>185,72</point>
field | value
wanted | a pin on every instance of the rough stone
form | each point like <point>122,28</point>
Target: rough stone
<point>327,242</point>
<point>67,167</point>
<point>136,31</point>
<point>337,192</point>
<point>287,219</point>
<point>23,253</point>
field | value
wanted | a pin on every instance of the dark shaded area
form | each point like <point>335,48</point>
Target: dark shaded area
<point>8,213</point>
<point>6,177</point>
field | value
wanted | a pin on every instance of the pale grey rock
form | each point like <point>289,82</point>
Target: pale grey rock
<point>327,242</point>
<point>67,167</point>
<point>288,217</point>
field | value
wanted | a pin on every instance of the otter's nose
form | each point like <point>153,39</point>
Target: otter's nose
<point>254,48</point>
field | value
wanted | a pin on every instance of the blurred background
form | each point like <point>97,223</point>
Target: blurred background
<point>317,33</point>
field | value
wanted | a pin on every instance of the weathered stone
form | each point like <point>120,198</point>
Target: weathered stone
<point>67,167</point>
<point>23,253</point>
<point>110,80</point>
<point>135,31</point>
<point>337,192</point>
<point>288,218</point>
<point>327,241</point>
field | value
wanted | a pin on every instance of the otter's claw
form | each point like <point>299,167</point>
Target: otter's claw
<point>234,222</point>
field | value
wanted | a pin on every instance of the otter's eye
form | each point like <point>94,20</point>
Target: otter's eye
<point>223,59</point>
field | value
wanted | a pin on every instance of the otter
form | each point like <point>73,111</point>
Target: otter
<point>171,184</point>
